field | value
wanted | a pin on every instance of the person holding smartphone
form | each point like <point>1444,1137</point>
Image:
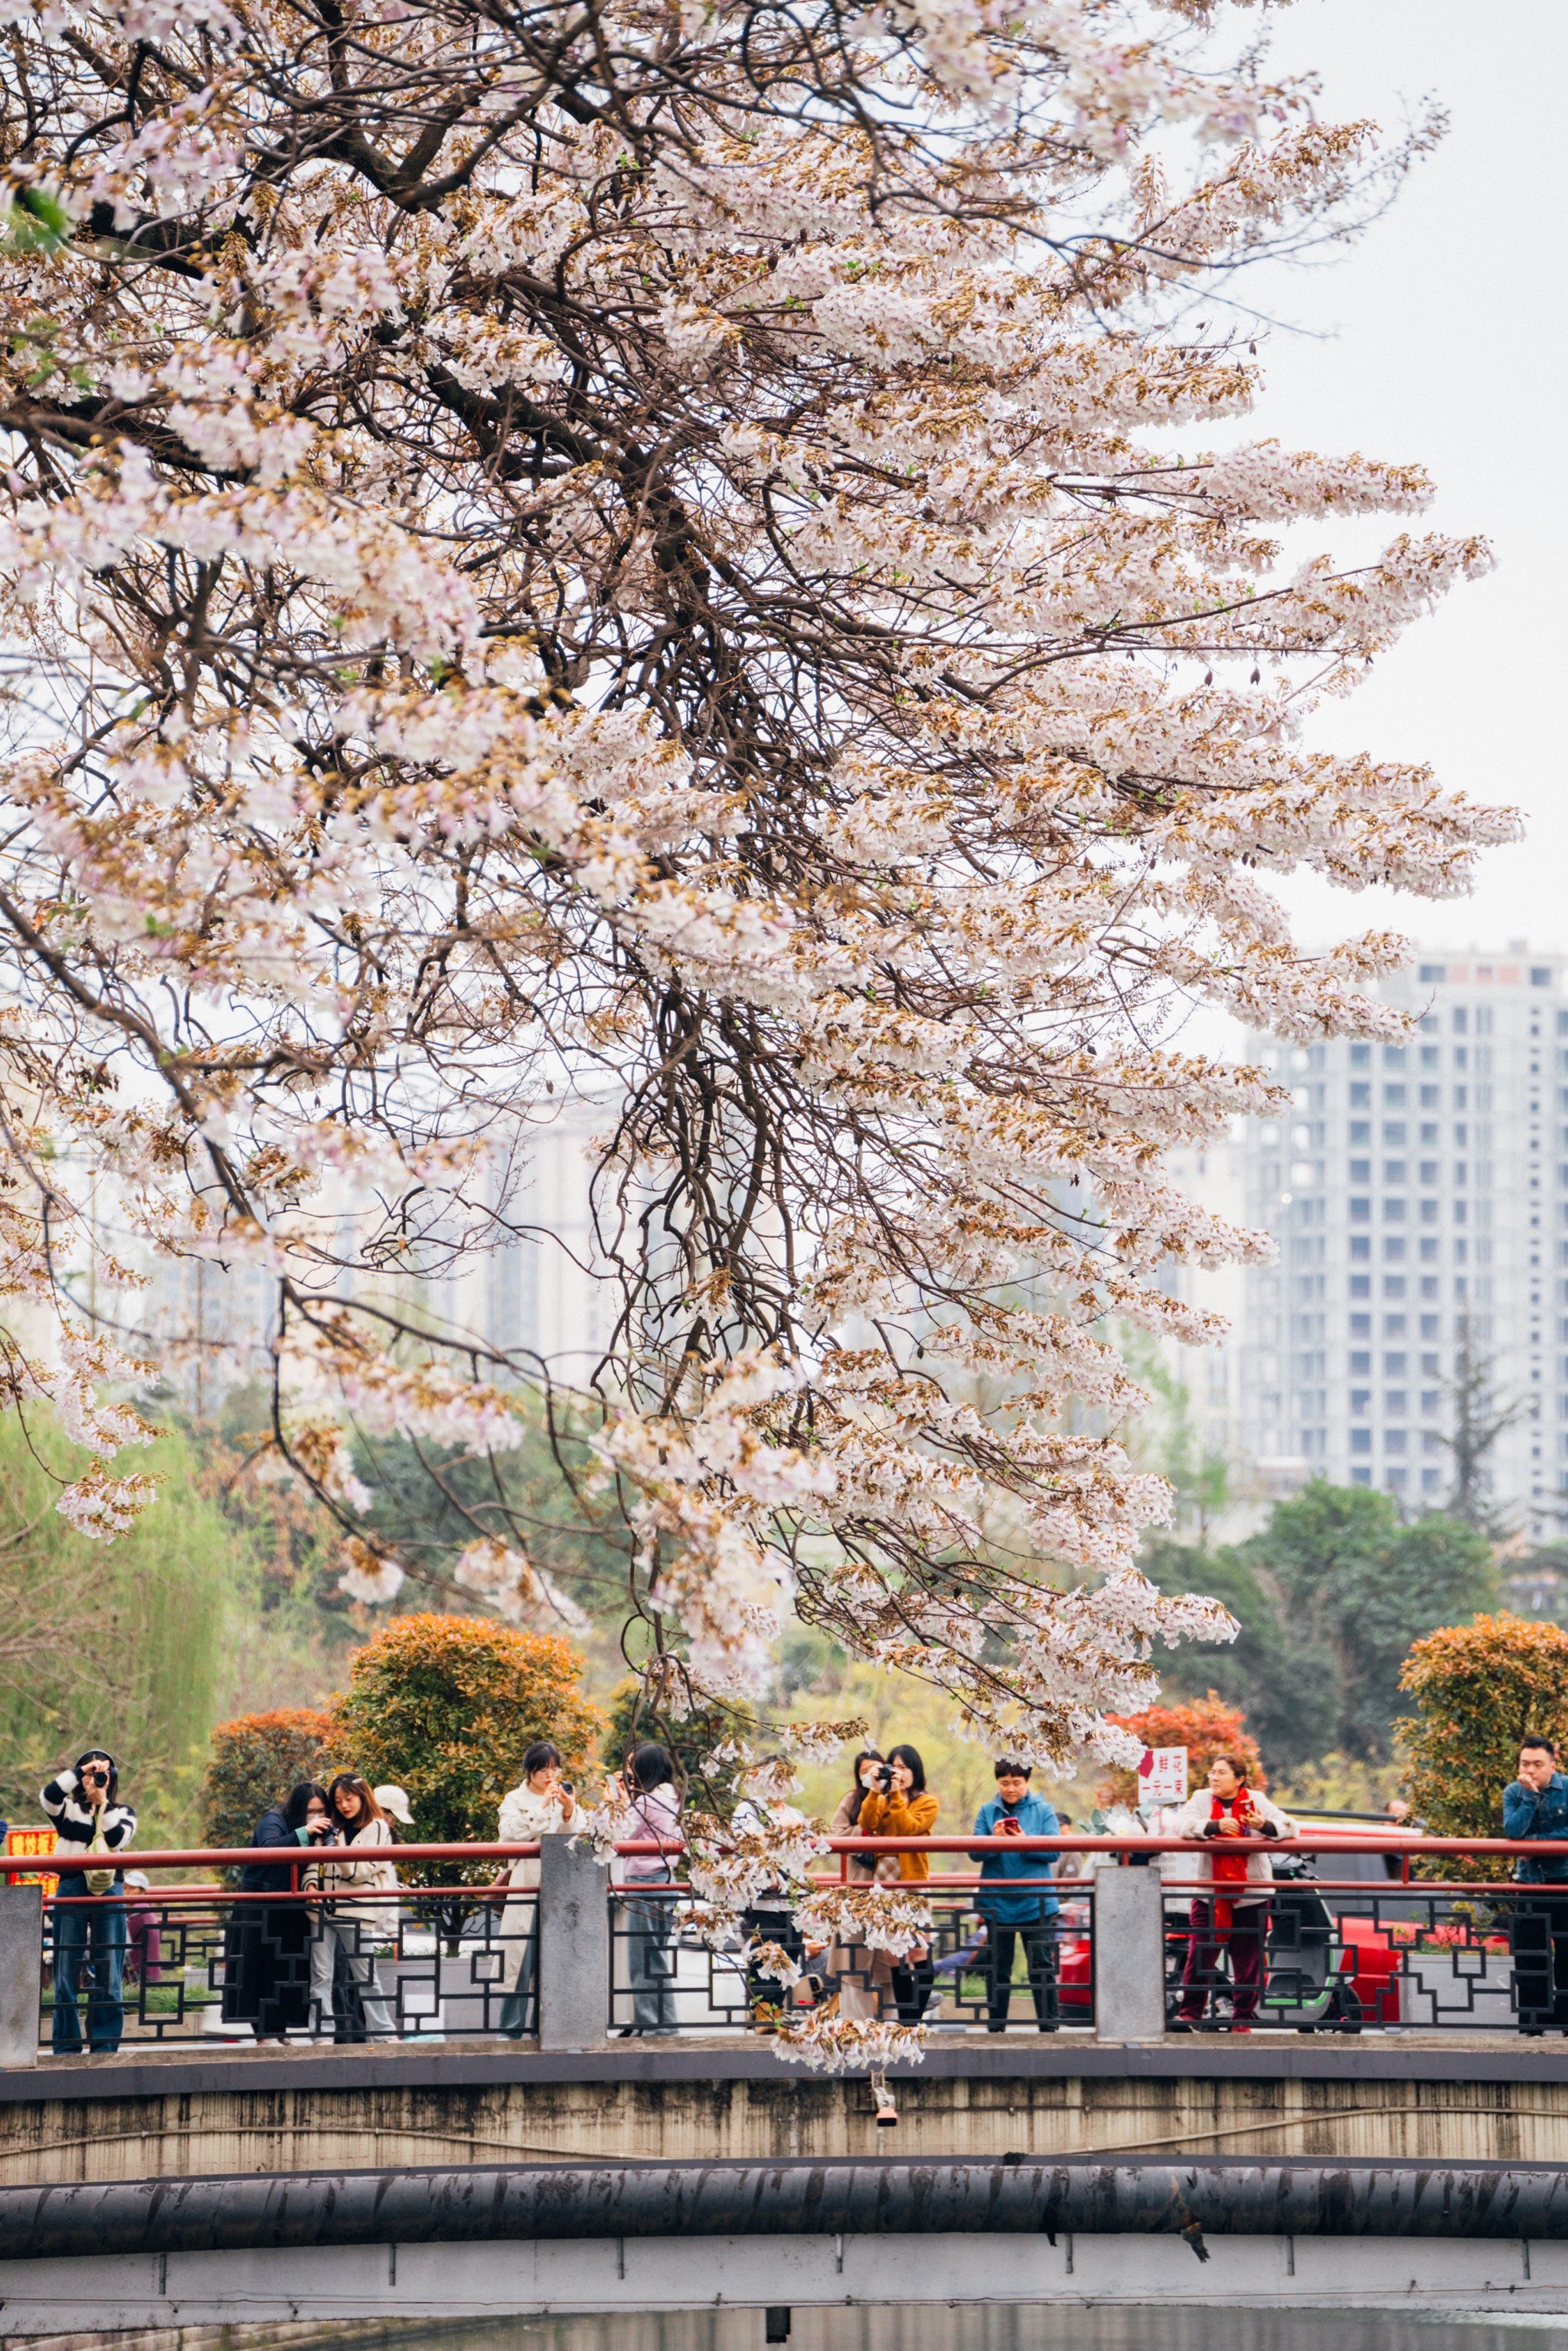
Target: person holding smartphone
<point>543,1803</point>
<point>1013,1903</point>
<point>90,1820</point>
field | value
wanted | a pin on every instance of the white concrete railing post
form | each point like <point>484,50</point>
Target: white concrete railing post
<point>574,1946</point>
<point>1129,1955</point>
<point>21,1956</point>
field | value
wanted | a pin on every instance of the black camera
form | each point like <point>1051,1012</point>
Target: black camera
<point>885,1778</point>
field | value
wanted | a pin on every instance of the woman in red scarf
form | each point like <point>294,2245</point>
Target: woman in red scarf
<point>1234,1915</point>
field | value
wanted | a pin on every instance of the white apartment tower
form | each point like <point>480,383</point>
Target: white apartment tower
<point>1418,1193</point>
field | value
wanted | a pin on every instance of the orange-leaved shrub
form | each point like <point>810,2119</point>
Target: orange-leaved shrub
<point>447,1706</point>
<point>1206,1727</point>
<point>256,1760</point>
<point>1477,1689</point>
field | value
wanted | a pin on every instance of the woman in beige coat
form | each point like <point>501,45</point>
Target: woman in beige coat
<point>353,1927</point>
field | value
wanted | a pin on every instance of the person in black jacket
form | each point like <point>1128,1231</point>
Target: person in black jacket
<point>266,1951</point>
<point>84,1805</point>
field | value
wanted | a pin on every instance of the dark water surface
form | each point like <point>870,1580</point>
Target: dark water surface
<point>994,2327</point>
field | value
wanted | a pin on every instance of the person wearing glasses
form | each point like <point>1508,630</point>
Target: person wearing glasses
<point>92,1829</point>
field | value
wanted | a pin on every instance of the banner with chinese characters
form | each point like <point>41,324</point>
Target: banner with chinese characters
<point>29,1841</point>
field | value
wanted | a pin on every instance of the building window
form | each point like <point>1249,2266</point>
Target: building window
<point>1361,1476</point>
<point>1361,1212</point>
<point>1394,1057</point>
<point>1429,1173</point>
<point>1430,1367</point>
<point>1393,1173</point>
<point>1429,1214</point>
<point>1394,1137</point>
<point>1430,1252</point>
<point>1394,1212</point>
<point>1360,1094</point>
<point>1360,1171</point>
<point>1459,1020</point>
<point>1361,1326</point>
<point>1361,1057</point>
<point>1430,1400</point>
<point>1393,1440</point>
<point>1431,1136</point>
<point>1394,1482</point>
<point>1431,1480</point>
<point>1360,1441</point>
<point>1360,1249</point>
<point>1361,1285</point>
<point>1360,1365</point>
<point>1393,1251</point>
<point>1360,1131</point>
<point>1393,1367</point>
<point>1394,1097</point>
<point>1431,1442</point>
<point>1433,974</point>
<point>1431,1098</point>
<point>1394,1403</point>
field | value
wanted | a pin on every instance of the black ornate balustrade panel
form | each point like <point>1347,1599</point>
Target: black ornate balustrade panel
<point>973,1974</point>
<point>418,1967</point>
<point>1327,1955</point>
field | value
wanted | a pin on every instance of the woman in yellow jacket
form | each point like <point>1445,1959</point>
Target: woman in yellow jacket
<point>897,1804</point>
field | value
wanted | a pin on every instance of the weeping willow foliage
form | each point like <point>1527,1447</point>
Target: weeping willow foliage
<point>131,1644</point>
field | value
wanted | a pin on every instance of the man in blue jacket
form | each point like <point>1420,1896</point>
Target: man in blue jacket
<point>1011,1909</point>
<point>1536,1805</point>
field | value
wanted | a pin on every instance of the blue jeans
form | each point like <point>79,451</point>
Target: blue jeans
<point>98,1936</point>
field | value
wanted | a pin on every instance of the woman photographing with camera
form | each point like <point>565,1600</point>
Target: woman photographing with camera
<point>897,1804</point>
<point>267,1948</point>
<point>866,1774</point>
<point>89,1819</point>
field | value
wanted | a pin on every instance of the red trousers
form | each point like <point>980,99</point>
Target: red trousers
<point>1244,1940</point>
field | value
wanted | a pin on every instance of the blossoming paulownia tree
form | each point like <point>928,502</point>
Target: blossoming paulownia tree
<point>679,548</point>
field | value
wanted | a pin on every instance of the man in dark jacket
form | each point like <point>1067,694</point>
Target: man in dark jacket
<point>1010,1909</point>
<point>1536,1806</point>
<point>84,1805</point>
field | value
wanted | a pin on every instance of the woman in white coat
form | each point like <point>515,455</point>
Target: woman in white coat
<point>541,1805</point>
<point>1230,1911</point>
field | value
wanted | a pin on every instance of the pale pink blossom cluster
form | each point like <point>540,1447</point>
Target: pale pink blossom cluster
<point>726,599</point>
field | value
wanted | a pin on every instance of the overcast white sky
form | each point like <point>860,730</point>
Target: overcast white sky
<point>1440,338</point>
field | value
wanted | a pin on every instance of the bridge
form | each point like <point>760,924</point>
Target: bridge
<point>1389,2132</point>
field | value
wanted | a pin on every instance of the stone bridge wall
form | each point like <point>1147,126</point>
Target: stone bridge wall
<point>120,2119</point>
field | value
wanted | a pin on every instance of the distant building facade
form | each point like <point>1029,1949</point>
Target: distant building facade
<point>1418,1193</point>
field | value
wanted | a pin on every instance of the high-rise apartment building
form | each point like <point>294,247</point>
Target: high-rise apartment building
<point>1418,1193</point>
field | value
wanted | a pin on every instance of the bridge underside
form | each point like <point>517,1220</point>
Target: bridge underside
<point>572,2274</point>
